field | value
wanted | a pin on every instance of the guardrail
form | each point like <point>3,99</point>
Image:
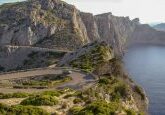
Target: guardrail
<point>37,48</point>
<point>33,69</point>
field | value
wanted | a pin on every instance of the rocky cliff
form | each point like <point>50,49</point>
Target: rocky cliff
<point>114,30</point>
<point>56,24</point>
<point>44,21</point>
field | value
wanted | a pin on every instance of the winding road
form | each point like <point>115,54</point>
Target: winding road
<point>79,79</point>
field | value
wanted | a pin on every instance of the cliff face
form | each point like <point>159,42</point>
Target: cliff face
<point>56,24</point>
<point>114,30</point>
<point>27,23</point>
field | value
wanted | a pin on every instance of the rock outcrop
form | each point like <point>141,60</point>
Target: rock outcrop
<point>89,56</point>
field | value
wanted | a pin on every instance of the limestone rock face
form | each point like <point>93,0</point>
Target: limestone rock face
<point>56,24</point>
<point>115,30</point>
<point>91,26</point>
<point>27,23</point>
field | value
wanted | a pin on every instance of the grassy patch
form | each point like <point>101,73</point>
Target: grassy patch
<point>21,110</point>
<point>138,90</point>
<point>122,90</point>
<point>14,95</point>
<point>46,81</point>
<point>96,108</point>
<point>75,110</point>
<point>90,60</point>
<point>40,100</point>
<point>104,81</point>
<point>52,93</point>
<point>130,112</point>
<point>77,100</point>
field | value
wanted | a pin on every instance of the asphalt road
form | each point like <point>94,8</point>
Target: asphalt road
<point>79,79</point>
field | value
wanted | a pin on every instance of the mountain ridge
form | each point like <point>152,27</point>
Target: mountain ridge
<point>160,27</point>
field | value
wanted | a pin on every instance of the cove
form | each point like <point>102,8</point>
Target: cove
<point>146,66</point>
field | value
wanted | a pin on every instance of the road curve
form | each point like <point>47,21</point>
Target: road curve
<point>79,79</point>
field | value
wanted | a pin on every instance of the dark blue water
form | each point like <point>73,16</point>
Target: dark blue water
<point>146,65</point>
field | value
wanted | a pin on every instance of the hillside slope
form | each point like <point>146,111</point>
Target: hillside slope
<point>98,58</point>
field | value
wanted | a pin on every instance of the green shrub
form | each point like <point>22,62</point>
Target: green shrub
<point>21,110</point>
<point>130,112</point>
<point>122,89</point>
<point>99,108</point>
<point>33,54</point>
<point>68,95</point>
<point>115,97</point>
<point>117,67</point>
<point>2,68</point>
<point>52,93</point>
<point>13,95</point>
<point>104,81</point>
<point>20,95</point>
<point>36,83</point>
<point>138,90</point>
<point>77,100</point>
<point>75,110</point>
<point>40,100</point>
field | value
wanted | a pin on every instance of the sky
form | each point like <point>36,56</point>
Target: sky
<point>149,11</point>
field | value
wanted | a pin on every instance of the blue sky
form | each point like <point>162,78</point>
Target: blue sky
<point>6,1</point>
<point>147,10</point>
